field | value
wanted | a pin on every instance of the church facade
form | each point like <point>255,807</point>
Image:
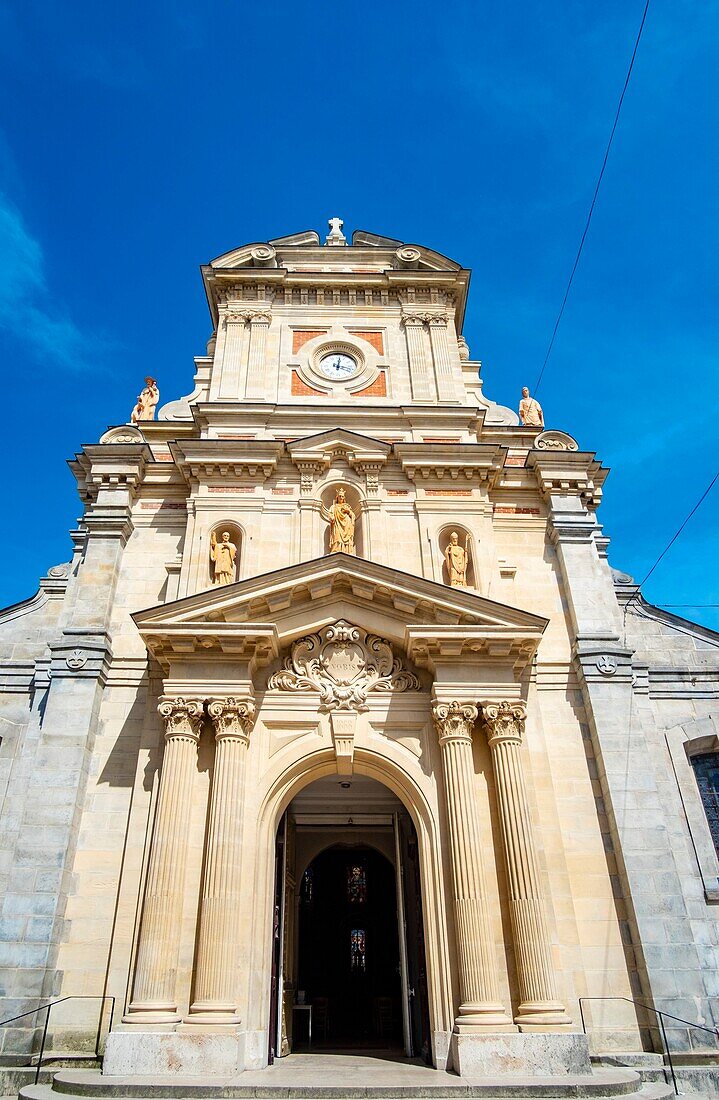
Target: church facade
<point>339,720</point>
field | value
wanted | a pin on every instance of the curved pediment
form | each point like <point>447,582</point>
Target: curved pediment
<point>262,614</point>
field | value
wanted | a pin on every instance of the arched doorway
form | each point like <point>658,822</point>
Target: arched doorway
<point>348,936</point>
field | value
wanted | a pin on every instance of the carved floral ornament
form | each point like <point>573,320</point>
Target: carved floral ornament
<point>232,717</point>
<point>344,664</point>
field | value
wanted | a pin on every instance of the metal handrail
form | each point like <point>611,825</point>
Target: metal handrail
<point>47,1008</point>
<point>657,1012</point>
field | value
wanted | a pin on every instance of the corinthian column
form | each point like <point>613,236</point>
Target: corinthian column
<point>259,325</point>
<point>539,1003</point>
<point>215,985</point>
<point>439,339</point>
<point>479,986</point>
<point>154,997</point>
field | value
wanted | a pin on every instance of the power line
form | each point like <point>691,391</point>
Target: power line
<point>594,198</point>
<point>674,538</point>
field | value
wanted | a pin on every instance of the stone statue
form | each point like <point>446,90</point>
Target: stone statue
<point>222,555</point>
<point>530,411</point>
<point>341,519</point>
<point>457,559</point>
<point>146,402</point>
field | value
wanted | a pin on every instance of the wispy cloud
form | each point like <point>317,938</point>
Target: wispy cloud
<point>27,309</point>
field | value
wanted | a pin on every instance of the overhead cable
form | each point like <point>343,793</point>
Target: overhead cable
<point>594,199</point>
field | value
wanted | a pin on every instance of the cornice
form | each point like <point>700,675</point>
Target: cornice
<point>455,461</point>
<point>569,473</point>
<point>208,459</point>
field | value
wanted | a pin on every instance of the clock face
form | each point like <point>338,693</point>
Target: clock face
<point>338,366</point>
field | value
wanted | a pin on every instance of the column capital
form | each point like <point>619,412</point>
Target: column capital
<point>504,721</point>
<point>182,717</point>
<point>454,721</point>
<point>233,717</point>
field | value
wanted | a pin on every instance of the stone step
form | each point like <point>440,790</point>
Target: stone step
<point>395,1086</point>
<point>12,1078</point>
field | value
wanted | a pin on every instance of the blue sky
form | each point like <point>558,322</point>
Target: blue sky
<point>138,140</point>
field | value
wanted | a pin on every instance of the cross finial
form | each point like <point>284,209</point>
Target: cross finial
<point>335,236</point>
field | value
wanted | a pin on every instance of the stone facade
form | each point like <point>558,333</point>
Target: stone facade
<point>537,725</point>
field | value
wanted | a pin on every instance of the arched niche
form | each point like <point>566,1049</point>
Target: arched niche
<point>235,533</point>
<point>466,541</point>
<point>355,501</point>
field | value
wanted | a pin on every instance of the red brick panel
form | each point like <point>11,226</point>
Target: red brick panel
<point>301,389</point>
<point>301,337</point>
<point>378,388</point>
<point>373,338</point>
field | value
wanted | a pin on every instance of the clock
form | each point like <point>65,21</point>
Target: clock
<point>338,366</point>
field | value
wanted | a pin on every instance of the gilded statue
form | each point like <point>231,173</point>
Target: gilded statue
<point>457,559</point>
<point>530,411</point>
<point>222,555</point>
<point>146,402</point>
<point>341,519</point>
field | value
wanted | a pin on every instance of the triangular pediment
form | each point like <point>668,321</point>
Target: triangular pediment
<point>338,442</point>
<point>279,607</point>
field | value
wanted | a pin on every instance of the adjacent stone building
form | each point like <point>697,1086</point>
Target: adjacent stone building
<point>339,715</point>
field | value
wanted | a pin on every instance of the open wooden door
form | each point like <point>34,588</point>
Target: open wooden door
<point>413,968</point>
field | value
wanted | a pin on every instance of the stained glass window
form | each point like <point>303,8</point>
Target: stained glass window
<point>706,769</point>
<point>306,888</point>
<point>358,948</point>
<point>356,884</point>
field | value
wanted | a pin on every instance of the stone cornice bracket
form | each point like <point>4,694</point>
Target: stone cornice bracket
<point>182,717</point>
<point>454,721</point>
<point>343,663</point>
<point>504,721</point>
<point>562,473</point>
<point>232,717</point>
<point>310,470</point>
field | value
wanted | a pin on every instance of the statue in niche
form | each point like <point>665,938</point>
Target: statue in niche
<point>341,519</point>
<point>530,411</point>
<point>222,555</point>
<point>457,559</point>
<point>146,402</point>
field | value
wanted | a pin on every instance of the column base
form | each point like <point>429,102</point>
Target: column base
<point>211,1013</point>
<point>520,1055</point>
<point>542,1015</point>
<point>148,1013</point>
<point>482,1018</point>
<point>174,1054</point>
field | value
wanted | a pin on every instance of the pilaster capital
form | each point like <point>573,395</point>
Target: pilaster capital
<point>182,717</point>
<point>259,316</point>
<point>504,721</point>
<point>233,717</point>
<point>454,721</point>
<point>415,319</point>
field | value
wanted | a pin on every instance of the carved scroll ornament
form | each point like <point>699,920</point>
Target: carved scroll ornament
<point>344,664</point>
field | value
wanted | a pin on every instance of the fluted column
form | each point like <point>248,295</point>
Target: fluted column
<point>154,997</point>
<point>215,985</point>
<point>259,326</point>
<point>480,1006</point>
<point>539,1002</point>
